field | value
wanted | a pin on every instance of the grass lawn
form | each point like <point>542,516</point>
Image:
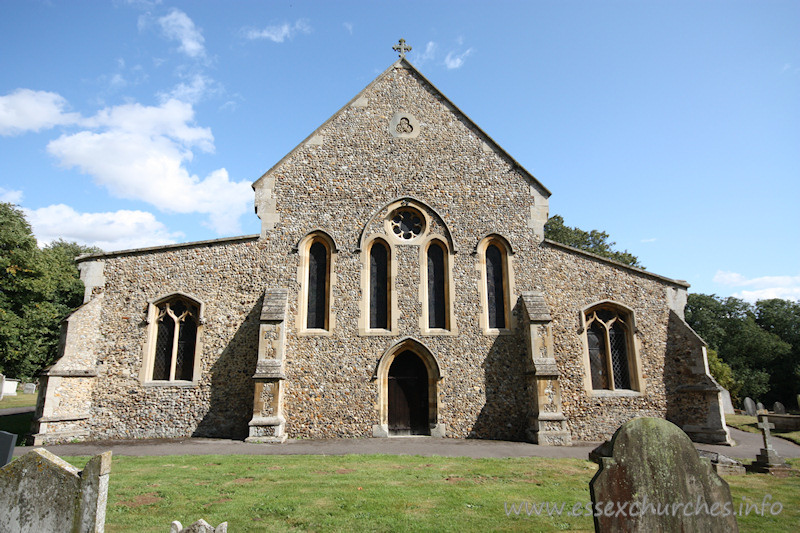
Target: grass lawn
<point>20,400</point>
<point>379,493</point>
<point>749,424</point>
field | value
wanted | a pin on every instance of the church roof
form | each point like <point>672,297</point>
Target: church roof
<point>405,64</point>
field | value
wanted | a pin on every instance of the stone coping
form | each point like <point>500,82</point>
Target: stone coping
<point>166,247</point>
<point>611,262</point>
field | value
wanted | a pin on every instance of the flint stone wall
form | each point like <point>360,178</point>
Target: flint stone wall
<point>337,181</point>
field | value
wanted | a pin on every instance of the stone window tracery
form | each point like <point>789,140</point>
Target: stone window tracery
<point>407,223</point>
<point>174,340</point>
<point>611,350</point>
<point>495,284</point>
<point>316,276</point>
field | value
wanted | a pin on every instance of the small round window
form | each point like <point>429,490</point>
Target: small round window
<point>407,224</point>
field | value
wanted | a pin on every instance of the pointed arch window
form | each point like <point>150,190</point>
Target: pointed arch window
<point>437,286</point>
<point>379,285</point>
<point>172,354</point>
<point>316,273</point>
<point>612,360</point>
<point>496,284</point>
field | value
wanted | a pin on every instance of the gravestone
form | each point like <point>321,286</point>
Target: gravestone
<point>653,464</point>
<point>41,492</point>
<point>2,382</point>
<point>727,405</point>
<point>29,388</point>
<point>201,526</point>
<point>10,387</point>
<point>722,464</point>
<point>749,406</point>
<point>7,443</point>
<point>768,461</point>
<point>778,408</point>
<point>760,409</point>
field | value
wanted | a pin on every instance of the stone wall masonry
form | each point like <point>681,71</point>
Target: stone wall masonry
<point>338,184</point>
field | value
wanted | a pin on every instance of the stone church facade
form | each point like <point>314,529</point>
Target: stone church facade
<point>401,284</point>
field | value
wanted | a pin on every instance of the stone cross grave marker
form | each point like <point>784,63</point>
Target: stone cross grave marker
<point>653,464</point>
<point>778,408</point>
<point>768,461</point>
<point>7,443</point>
<point>401,48</point>
<point>29,388</point>
<point>749,406</point>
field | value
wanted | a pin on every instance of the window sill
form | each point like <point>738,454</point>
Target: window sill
<point>602,393</point>
<point>439,332</point>
<point>176,384</point>
<point>494,332</point>
<point>377,333</point>
<point>314,333</point>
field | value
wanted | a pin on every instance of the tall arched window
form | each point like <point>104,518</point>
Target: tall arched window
<point>495,287</point>
<point>173,341</point>
<point>379,286</point>
<point>317,286</point>
<point>437,286</point>
<point>609,339</point>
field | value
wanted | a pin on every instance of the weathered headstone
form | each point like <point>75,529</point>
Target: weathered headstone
<point>29,388</point>
<point>768,461</point>
<point>201,526</point>
<point>760,409</point>
<point>778,408</point>
<point>654,464</point>
<point>727,405</point>
<point>7,443</point>
<point>722,464</point>
<point>2,383</point>
<point>42,492</point>
<point>749,406</point>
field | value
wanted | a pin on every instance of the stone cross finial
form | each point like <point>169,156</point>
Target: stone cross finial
<point>401,48</point>
<point>765,425</point>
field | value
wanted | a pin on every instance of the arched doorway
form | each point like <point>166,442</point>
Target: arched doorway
<point>408,406</point>
<point>407,377</point>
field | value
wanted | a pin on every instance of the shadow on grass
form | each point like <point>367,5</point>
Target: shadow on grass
<point>19,424</point>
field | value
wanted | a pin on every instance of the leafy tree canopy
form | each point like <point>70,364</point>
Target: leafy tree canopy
<point>593,241</point>
<point>38,289</point>
<point>759,342</point>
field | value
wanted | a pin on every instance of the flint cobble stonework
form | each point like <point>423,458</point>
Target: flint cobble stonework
<point>344,182</point>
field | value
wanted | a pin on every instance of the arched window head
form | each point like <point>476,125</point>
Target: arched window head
<point>175,324</point>
<point>611,350</point>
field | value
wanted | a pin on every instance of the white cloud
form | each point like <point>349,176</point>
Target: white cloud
<point>192,91</point>
<point>179,27</point>
<point>428,55</point>
<point>29,110</point>
<point>278,34</point>
<point>349,27</point>
<point>651,239</point>
<point>139,152</point>
<point>109,231</point>
<point>762,288</point>
<point>454,60</point>
<point>10,197</point>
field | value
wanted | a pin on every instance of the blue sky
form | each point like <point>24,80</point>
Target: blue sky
<point>674,126</point>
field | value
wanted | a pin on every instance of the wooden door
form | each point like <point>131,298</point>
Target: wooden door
<point>408,395</point>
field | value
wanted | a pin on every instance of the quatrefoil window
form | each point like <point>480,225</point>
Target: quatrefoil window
<point>407,224</point>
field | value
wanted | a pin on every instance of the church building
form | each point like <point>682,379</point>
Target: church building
<point>401,285</point>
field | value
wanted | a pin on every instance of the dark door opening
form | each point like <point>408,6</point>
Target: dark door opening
<point>408,396</point>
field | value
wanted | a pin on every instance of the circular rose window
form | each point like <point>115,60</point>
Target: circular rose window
<point>407,224</point>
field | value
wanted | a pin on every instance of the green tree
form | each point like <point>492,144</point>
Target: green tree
<point>761,359</point>
<point>38,289</point>
<point>593,241</point>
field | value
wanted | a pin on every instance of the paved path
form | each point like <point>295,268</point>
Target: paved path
<point>748,446</point>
